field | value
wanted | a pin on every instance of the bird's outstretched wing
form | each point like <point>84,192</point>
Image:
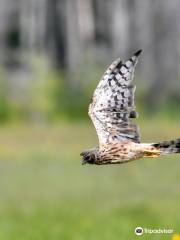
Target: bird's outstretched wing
<point>113,103</point>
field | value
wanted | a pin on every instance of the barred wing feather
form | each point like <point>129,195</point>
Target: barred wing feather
<point>113,103</point>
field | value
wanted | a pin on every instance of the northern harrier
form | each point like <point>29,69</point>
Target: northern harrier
<point>111,111</point>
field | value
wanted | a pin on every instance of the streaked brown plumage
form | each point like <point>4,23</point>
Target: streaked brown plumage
<point>111,109</point>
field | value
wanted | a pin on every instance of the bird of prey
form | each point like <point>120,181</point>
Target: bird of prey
<point>111,111</point>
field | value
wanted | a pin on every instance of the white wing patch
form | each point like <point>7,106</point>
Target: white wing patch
<point>113,103</point>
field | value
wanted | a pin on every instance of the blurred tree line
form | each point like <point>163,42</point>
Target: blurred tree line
<point>53,53</point>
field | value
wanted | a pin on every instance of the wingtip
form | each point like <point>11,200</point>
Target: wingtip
<point>138,53</point>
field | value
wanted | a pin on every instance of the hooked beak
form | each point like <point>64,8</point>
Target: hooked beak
<point>83,162</point>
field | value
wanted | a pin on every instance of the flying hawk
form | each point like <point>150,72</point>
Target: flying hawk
<point>111,111</point>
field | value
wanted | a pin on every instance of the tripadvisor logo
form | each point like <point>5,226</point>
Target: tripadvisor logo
<point>138,231</point>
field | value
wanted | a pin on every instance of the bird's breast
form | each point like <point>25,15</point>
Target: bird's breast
<point>119,152</point>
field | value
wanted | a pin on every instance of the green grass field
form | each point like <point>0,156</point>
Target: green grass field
<point>45,192</point>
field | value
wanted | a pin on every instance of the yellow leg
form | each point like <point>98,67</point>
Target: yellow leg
<point>152,153</point>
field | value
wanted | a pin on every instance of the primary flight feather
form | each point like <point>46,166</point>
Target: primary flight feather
<point>111,111</point>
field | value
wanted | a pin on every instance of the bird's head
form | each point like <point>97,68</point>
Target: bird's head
<point>90,156</point>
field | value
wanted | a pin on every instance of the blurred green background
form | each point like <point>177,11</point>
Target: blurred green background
<point>53,53</point>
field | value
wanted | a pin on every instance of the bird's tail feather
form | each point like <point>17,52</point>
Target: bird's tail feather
<point>168,147</point>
